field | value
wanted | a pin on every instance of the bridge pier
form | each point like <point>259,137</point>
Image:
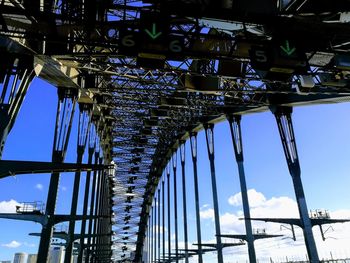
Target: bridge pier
<point>236,135</point>
<point>64,118</point>
<point>209,135</point>
<point>285,128</point>
<point>193,142</point>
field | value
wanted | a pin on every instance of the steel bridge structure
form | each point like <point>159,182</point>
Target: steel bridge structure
<point>147,76</point>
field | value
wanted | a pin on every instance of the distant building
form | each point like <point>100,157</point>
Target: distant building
<point>5,261</point>
<point>20,258</point>
<point>56,255</point>
<point>32,258</point>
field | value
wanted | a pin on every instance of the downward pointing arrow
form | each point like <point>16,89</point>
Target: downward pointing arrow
<point>289,51</point>
<point>154,33</point>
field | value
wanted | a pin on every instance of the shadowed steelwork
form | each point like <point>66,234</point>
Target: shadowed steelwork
<point>147,76</point>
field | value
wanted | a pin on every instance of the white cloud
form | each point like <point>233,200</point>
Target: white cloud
<point>39,186</point>
<point>235,200</point>
<point>230,224</point>
<point>207,213</point>
<point>8,206</point>
<point>275,207</point>
<point>64,188</point>
<point>255,198</point>
<point>337,236</point>
<point>341,214</point>
<point>12,244</point>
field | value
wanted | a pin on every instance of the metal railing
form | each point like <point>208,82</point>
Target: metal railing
<point>320,214</point>
<point>36,207</point>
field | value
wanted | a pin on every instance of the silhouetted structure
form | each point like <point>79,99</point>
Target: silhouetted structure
<point>147,76</point>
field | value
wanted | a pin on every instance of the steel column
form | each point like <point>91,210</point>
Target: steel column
<point>64,118</point>
<point>85,206</point>
<point>101,210</point>
<point>149,236</point>
<point>163,217</point>
<point>149,239</point>
<point>97,206</point>
<point>209,135</point>
<point>169,221</point>
<point>193,142</point>
<point>159,224</point>
<point>236,135</point>
<point>15,76</point>
<point>104,209</point>
<point>174,161</point>
<point>91,150</point>
<point>184,199</point>
<point>152,237</point>
<point>92,204</point>
<point>154,228</point>
<point>83,131</point>
<point>96,220</point>
<point>100,225</point>
<point>285,128</point>
<point>107,212</point>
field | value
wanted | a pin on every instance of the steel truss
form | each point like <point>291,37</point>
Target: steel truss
<point>143,113</point>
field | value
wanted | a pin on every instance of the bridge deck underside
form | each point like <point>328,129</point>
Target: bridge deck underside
<point>153,79</point>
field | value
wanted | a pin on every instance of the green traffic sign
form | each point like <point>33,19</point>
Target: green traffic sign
<point>154,35</point>
<point>287,49</point>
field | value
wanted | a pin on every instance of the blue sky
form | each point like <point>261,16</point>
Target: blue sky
<point>322,134</point>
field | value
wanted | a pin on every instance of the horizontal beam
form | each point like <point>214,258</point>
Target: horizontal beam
<point>214,245</point>
<point>11,168</point>
<point>297,221</point>
<point>43,219</point>
<point>38,218</point>
<point>244,237</point>
<point>63,218</point>
<point>64,235</point>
